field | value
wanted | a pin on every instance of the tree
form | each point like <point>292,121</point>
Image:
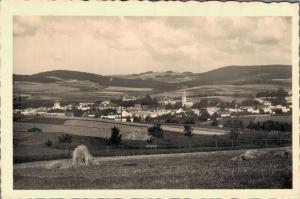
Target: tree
<point>136,118</point>
<point>215,116</point>
<point>187,130</point>
<point>188,133</point>
<point>48,143</point>
<point>203,103</point>
<point>250,102</point>
<point>156,132</point>
<point>204,116</point>
<point>215,122</point>
<point>115,137</point>
<point>149,101</point>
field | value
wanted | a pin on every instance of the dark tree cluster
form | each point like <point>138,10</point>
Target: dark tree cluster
<point>105,112</point>
<point>250,102</point>
<point>269,94</point>
<point>65,138</point>
<point>173,106</point>
<point>149,101</point>
<point>204,116</point>
<point>270,125</point>
<point>122,103</point>
<point>202,104</point>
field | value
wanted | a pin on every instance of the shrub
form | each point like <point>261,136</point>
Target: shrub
<point>156,131</point>
<point>48,143</point>
<point>187,130</point>
<point>65,138</point>
<point>34,129</point>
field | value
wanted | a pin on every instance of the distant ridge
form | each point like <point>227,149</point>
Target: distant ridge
<point>165,80</point>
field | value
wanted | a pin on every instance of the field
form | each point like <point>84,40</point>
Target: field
<point>206,170</point>
<point>67,90</point>
<point>30,146</point>
<point>226,92</point>
<point>38,94</point>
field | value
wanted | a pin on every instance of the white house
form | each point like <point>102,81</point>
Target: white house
<point>212,109</point>
<point>56,105</point>
<point>128,98</point>
<point>166,101</point>
<point>253,110</point>
<point>196,111</point>
<point>28,111</point>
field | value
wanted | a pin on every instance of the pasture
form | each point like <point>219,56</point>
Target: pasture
<point>68,90</point>
<point>30,146</point>
<point>203,170</point>
<point>226,92</point>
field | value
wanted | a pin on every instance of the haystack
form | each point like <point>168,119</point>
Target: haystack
<point>81,156</point>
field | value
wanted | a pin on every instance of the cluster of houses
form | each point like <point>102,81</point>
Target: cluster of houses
<point>127,114</point>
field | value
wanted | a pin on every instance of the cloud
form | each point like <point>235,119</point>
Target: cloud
<point>109,45</point>
<point>26,26</point>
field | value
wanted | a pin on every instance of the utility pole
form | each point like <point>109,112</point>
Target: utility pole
<point>121,114</point>
<point>19,99</point>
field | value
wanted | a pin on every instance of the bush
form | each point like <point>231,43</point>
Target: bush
<point>34,129</point>
<point>65,138</point>
<point>156,131</point>
<point>187,130</point>
<point>48,143</point>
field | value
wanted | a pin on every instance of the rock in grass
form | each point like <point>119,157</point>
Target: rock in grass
<point>249,154</point>
<point>54,165</point>
<point>284,153</point>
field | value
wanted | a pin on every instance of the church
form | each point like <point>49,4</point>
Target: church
<point>185,102</point>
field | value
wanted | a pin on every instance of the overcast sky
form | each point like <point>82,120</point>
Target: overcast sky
<point>123,45</point>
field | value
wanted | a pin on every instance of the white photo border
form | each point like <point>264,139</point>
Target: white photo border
<point>110,8</point>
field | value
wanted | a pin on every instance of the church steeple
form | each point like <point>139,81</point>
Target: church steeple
<point>183,99</point>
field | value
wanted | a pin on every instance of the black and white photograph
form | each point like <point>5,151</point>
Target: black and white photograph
<point>152,102</point>
<point>143,102</point>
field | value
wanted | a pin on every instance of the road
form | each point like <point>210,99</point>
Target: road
<point>173,128</point>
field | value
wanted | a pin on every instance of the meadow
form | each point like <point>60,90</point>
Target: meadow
<point>38,94</point>
<point>35,94</point>
<point>203,170</point>
<point>30,146</point>
<point>225,92</point>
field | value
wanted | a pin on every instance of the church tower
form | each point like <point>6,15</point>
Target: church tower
<point>183,99</point>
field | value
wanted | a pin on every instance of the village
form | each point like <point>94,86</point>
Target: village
<point>167,110</point>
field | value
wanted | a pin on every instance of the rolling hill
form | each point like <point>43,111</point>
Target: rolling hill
<point>170,80</point>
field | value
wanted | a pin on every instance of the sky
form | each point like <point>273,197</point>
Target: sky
<point>124,45</point>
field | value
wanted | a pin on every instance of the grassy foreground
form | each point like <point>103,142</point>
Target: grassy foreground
<point>188,171</point>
